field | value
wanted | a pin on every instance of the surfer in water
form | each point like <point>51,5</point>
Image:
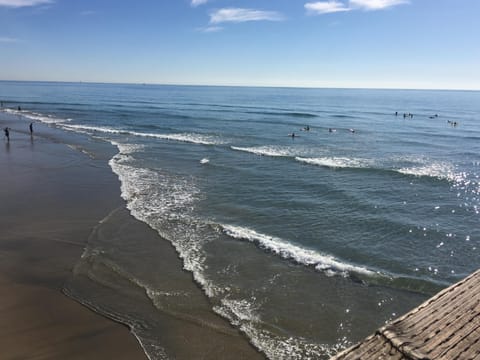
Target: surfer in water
<point>292,135</point>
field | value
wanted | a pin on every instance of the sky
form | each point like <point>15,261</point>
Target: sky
<point>408,44</point>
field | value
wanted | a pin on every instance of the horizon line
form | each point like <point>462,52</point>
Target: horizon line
<point>242,85</point>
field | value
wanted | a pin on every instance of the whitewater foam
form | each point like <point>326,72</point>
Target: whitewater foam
<point>165,202</point>
<point>291,348</point>
<point>289,251</point>
<point>193,138</point>
<point>269,150</point>
<point>336,162</point>
<point>439,170</point>
<point>243,314</point>
<point>47,119</point>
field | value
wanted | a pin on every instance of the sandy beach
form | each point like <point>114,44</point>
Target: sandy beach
<point>53,198</point>
<point>46,220</point>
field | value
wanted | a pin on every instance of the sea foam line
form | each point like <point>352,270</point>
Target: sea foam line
<point>165,204</point>
<point>336,162</point>
<point>331,162</point>
<point>436,170</point>
<point>273,151</point>
<point>146,206</point>
<point>48,119</point>
<point>243,314</point>
<point>442,171</point>
<point>286,250</point>
<point>182,137</point>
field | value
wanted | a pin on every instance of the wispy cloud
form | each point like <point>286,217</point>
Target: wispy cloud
<point>210,29</point>
<point>238,15</point>
<point>23,3</point>
<point>4,39</point>
<point>198,2</point>
<point>325,7</point>
<point>333,6</point>
<point>376,4</point>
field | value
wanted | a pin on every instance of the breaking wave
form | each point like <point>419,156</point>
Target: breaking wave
<point>268,150</point>
<point>193,138</point>
<point>321,262</point>
<point>337,162</point>
<point>47,119</point>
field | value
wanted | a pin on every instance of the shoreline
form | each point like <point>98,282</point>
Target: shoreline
<point>41,172</point>
<point>45,226</point>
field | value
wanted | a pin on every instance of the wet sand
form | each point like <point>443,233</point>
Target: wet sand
<point>45,219</point>
<point>55,200</point>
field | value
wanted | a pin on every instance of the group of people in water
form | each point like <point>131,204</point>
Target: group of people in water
<point>307,128</point>
<point>453,123</point>
<point>292,135</point>
<point>410,115</point>
<point>405,115</point>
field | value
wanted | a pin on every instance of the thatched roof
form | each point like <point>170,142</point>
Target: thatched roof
<point>446,326</point>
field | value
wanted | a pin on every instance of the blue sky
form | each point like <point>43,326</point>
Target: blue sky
<point>433,44</point>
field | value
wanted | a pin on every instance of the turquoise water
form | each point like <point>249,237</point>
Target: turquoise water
<point>306,244</point>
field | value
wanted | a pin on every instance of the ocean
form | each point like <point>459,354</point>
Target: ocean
<point>305,243</point>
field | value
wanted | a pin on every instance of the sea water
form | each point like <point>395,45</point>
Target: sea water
<point>305,243</point>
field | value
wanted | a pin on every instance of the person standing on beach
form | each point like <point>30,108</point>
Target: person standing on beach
<point>7,134</point>
<point>31,128</point>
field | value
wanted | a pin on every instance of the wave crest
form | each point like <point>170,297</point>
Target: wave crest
<point>336,162</point>
<point>273,151</point>
<point>47,119</point>
<point>442,171</point>
<point>288,251</point>
<point>193,138</point>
